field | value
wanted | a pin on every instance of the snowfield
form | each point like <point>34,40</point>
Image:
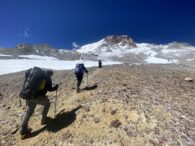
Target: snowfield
<point>16,65</point>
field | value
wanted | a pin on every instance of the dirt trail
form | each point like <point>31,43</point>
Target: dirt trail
<point>131,106</point>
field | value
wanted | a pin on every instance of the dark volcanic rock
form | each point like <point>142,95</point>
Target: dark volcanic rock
<point>113,112</point>
<point>115,123</point>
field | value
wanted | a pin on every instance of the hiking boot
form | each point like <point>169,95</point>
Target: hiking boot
<point>25,132</point>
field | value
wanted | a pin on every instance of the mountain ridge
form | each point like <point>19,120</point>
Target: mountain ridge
<point>114,47</point>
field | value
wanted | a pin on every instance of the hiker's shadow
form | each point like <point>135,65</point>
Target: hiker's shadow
<point>62,120</point>
<point>90,87</point>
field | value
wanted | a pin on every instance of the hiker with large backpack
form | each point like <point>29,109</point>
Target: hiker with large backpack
<point>79,71</point>
<point>37,83</point>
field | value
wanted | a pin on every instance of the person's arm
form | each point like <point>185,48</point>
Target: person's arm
<point>84,68</point>
<point>49,85</point>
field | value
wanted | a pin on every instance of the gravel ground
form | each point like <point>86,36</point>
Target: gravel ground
<point>133,105</point>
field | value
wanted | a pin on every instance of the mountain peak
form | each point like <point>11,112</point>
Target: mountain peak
<point>123,39</point>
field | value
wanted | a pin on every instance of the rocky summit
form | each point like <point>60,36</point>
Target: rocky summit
<point>123,39</point>
<point>131,105</point>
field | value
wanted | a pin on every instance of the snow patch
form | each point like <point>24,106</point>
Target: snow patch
<point>156,60</point>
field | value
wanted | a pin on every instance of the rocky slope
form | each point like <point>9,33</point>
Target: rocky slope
<point>133,105</point>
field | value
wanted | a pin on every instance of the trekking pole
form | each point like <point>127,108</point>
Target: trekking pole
<point>55,103</point>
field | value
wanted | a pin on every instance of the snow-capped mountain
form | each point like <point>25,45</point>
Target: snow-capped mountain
<point>110,46</point>
<point>123,48</point>
<point>115,48</point>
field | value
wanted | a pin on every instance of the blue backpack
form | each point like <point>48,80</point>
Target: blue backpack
<point>79,69</point>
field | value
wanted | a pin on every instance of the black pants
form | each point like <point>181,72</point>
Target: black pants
<point>79,80</point>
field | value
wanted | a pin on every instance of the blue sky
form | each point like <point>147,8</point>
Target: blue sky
<point>62,23</point>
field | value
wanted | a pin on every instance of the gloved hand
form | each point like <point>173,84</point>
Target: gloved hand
<point>56,87</point>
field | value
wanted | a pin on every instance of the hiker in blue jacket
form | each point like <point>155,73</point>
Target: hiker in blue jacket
<point>79,71</point>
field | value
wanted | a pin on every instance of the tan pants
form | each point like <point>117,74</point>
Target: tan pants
<point>30,107</point>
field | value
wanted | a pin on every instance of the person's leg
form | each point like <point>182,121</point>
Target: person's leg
<point>30,106</point>
<point>44,101</point>
<point>79,80</point>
